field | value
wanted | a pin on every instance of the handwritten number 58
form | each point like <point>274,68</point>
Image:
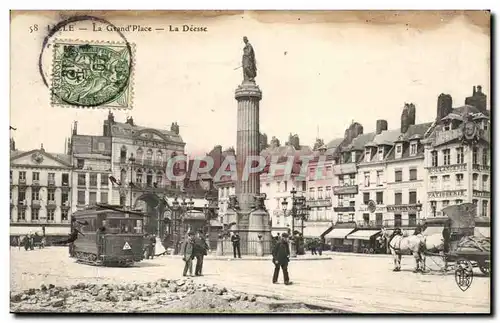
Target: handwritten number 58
<point>33,28</point>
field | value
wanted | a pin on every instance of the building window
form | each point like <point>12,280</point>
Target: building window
<point>339,217</point>
<point>433,207</point>
<point>286,186</point>
<point>474,155</point>
<point>149,178</point>
<point>22,176</point>
<point>399,148</point>
<point>485,157</point>
<point>312,174</point>
<point>328,171</point>
<point>397,220</point>
<point>366,198</point>
<point>21,195</point>
<point>434,181</point>
<point>367,179</point>
<point>366,218</point>
<point>50,215</point>
<point>352,203</point>
<point>138,177</point>
<point>446,203</point>
<point>36,176</point>
<point>485,183</point>
<point>413,149</point>
<point>64,198</point>
<point>35,194</point>
<point>380,197</point>
<point>447,127</point>
<point>398,175</point>
<point>459,201</point>
<point>104,180</point>
<point>380,174</point>
<point>351,217</point>
<point>52,177</point>
<point>104,197</point>
<point>413,197</point>
<point>474,180</point>
<point>380,153</point>
<point>64,215</point>
<point>311,193</point>
<point>81,180</point>
<point>434,158</point>
<point>460,179</point>
<point>460,155</point>
<point>80,163</point>
<point>446,182</point>
<point>138,154</point>
<point>341,200</point>
<point>149,156</point>
<point>398,198</point>
<point>65,179</point>
<point>81,198</point>
<point>367,154</point>
<point>485,208</point>
<point>92,198</point>
<point>159,157</point>
<point>122,200</point>
<point>328,192</point>
<point>101,146</point>
<point>21,215</point>
<point>378,219</point>
<point>320,192</point>
<point>446,157</point>
<point>341,180</point>
<point>352,179</point>
<point>35,214</point>
<point>93,180</point>
<point>412,219</point>
<point>159,180</point>
<point>304,186</point>
<point>51,195</point>
<point>413,174</point>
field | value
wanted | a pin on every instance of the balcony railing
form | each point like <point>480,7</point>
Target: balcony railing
<point>483,194</point>
<point>480,168</point>
<point>93,184</point>
<point>36,182</point>
<point>22,181</point>
<point>51,182</point>
<point>324,202</point>
<point>82,184</point>
<point>35,203</point>
<point>404,207</point>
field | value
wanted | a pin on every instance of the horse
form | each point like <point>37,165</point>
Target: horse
<point>400,242</point>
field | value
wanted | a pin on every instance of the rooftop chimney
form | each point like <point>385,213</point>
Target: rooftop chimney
<point>444,106</point>
<point>478,98</point>
<point>381,126</point>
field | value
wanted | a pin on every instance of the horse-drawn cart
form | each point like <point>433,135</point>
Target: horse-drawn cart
<point>466,238</point>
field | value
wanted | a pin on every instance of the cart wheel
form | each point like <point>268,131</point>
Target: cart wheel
<point>372,250</point>
<point>485,269</point>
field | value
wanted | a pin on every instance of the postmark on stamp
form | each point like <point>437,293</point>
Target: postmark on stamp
<point>92,74</point>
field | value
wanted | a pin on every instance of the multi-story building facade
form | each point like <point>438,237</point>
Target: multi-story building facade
<point>392,189</point>
<point>40,194</point>
<point>91,159</point>
<point>457,155</point>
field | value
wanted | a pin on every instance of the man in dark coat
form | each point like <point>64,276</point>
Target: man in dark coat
<point>281,257</point>
<point>188,254</point>
<point>152,245</point>
<point>235,239</point>
<point>446,237</point>
<point>200,251</point>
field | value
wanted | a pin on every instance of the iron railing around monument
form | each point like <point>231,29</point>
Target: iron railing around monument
<point>247,248</point>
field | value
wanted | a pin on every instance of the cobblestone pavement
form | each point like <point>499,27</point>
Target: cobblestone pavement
<point>362,284</point>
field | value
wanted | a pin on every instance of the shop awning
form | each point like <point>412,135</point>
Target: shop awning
<point>313,232</point>
<point>339,233</point>
<point>57,231</point>
<point>362,234</point>
<point>482,232</point>
<point>433,230</point>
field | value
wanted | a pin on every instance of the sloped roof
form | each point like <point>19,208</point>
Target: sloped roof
<point>413,131</point>
<point>334,143</point>
<point>466,109</point>
<point>387,137</point>
<point>360,142</point>
<point>62,158</point>
<point>126,129</point>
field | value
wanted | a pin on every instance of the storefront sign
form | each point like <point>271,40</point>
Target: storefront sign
<point>346,189</point>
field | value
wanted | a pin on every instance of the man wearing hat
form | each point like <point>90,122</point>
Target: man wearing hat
<point>281,257</point>
<point>200,251</point>
<point>188,254</point>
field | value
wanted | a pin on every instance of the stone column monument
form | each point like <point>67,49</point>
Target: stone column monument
<point>252,218</point>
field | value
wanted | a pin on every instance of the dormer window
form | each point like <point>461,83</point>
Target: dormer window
<point>381,153</point>
<point>447,126</point>
<point>399,148</point>
<point>413,148</point>
<point>485,125</point>
<point>367,154</point>
<point>353,157</point>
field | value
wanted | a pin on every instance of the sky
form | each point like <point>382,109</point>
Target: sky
<point>316,78</point>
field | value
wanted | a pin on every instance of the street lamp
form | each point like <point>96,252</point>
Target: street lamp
<point>419,208</point>
<point>131,161</point>
<point>180,210</point>
<point>299,210</point>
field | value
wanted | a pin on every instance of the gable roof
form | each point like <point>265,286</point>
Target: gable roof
<point>61,158</point>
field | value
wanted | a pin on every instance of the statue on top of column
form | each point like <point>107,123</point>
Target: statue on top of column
<point>248,63</point>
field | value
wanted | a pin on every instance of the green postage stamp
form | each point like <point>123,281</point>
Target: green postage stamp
<point>92,74</point>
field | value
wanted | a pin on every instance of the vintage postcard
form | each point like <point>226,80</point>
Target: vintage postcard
<point>250,162</point>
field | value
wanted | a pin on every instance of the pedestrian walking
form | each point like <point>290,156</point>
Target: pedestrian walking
<point>320,246</point>
<point>235,239</point>
<point>281,258</point>
<point>200,251</point>
<point>152,246</point>
<point>312,246</point>
<point>188,254</point>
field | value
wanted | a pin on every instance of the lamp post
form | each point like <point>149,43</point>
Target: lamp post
<point>419,208</point>
<point>131,161</point>
<point>299,210</point>
<point>180,210</point>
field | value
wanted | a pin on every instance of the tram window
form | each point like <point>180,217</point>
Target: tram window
<point>113,226</point>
